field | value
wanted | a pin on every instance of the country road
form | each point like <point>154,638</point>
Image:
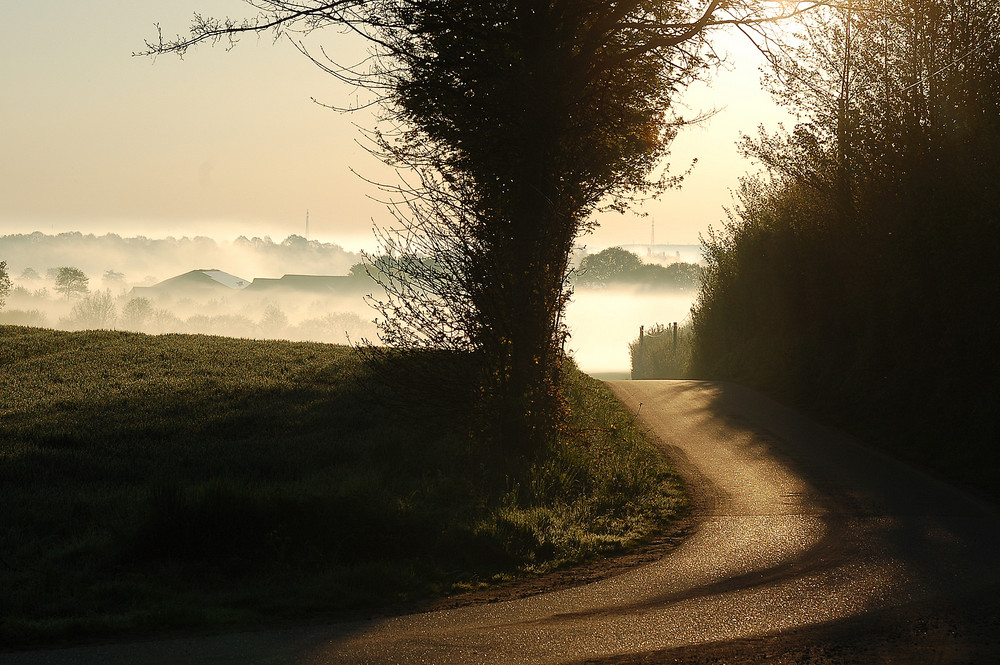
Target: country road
<point>807,547</point>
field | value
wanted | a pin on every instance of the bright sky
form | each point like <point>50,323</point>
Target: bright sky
<point>228,143</point>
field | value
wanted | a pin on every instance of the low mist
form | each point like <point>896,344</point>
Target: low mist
<point>144,261</point>
<point>305,318</point>
<point>602,322</point>
<point>114,266</point>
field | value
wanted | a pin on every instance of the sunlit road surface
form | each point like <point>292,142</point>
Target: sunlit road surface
<point>807,548</point>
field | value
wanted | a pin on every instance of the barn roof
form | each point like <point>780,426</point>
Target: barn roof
<point>197,280</point>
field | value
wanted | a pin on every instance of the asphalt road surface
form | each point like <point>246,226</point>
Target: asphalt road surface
<point>807,548</point>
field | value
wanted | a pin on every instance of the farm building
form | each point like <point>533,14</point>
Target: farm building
<point>201,284</point>
<point>300,284</point>
<point>197,283</point>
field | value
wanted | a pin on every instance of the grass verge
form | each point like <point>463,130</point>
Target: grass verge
<point>174,482</point>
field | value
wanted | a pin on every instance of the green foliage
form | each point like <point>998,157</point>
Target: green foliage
<point>597,489</point>
<point>71,282</point>
<point>151,483</point>
<point>616,266</point>
<point>662,352</point>
<point>611,264</point>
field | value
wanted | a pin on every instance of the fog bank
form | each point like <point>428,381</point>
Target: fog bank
<point>144,261</point>
<point>602,322</point>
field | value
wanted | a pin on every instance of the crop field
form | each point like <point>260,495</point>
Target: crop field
<point>175,482</point>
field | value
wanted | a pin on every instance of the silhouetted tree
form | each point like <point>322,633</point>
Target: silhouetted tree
<point>519,118</point>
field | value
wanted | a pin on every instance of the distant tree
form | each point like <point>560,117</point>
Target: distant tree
<point>30,273</point>
<point>612,264</point>
<point>96,310</point>
<point>274,322</point>
<point>616,265</point>
<point>4,283</point>
<point>358,271</point>
<point>683,275</point>
<point>32,318</point>
<point>651,274</point>
<point>295,241</point>
<point>71,282</point>
<point>136,313</point>
<point>113,277</point>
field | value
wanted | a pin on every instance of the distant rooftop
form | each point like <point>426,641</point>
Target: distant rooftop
<point>224,278</point>
<point>313,283</point>
<point>197,280</point>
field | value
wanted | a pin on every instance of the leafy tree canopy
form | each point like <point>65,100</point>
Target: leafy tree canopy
<point>518,118</point>
<point>608,265</point>
<point>619,266</point>
<point>71,282</point>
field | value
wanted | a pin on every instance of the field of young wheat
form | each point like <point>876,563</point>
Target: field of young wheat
<point>151,483</point>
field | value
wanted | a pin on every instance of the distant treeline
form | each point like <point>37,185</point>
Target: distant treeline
<point>149,260</point>
<point>63,298</point>
<point>619,266</point>
<point>857,279</point>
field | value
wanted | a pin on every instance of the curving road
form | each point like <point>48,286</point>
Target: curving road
<point>808,547</point>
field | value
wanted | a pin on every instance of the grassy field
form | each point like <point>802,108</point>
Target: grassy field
<point>154,483</point>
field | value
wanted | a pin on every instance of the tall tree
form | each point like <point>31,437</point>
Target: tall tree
<point>520,118</point>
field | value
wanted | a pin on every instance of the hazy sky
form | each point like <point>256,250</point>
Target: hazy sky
<point>228,143</point>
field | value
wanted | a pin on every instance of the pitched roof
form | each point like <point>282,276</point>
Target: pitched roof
<point>199,280</point>
<point>225,278</point>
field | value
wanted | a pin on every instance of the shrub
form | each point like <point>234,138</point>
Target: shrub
<point>662,352</point>
<point>96,310</point>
